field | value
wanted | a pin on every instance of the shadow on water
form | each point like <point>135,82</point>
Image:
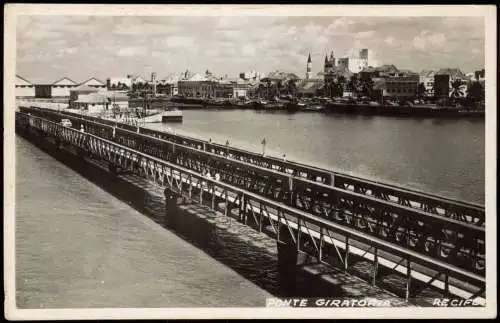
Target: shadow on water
<point>255,263</point>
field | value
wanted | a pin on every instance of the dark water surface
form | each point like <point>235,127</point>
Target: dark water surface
<point>78,246</point>
<point>86,238</point>
<point>444,157</point>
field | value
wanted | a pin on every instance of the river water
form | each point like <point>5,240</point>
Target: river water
<point>440,156</point>
<point>78,246</point>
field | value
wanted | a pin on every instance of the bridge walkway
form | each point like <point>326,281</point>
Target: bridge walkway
<point>293,225</point>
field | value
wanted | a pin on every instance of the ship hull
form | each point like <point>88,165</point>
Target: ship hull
<point>166,118</point>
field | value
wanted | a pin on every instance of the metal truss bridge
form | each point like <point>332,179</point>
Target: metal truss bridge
<point>336,218</point>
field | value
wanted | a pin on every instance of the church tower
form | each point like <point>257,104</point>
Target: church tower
<point>329,63</point>
<point>332,59</point>
<point>309,67</point>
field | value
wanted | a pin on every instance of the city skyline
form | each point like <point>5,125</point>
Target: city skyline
<point>105,46</point>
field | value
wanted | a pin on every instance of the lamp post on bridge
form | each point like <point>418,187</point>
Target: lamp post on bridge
<point>263,142</point>
<point>227,148</point>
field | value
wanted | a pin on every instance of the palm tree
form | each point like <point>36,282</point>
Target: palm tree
<point>340,85</point>
<point>269,86</point>
<point>291,87</point>
<point>475,92</point>
<point>456,91</point>
<point>421,90</point>
<point>261,88</point>
<point>367,87</point>
<point>279,87</point>
<point>353,84</point>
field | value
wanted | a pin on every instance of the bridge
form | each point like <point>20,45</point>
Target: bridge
<point>334,218</point>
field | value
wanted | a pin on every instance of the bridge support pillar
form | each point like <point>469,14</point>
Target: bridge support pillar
<point>170,200</point>
<point>113,168</point>
<point>289,260</point>
<point>58,144</point>
<point>81,153</point>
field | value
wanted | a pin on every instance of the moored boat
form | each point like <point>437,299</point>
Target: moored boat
<point>294,106</point>
<point>314,107</point>
<point>171,115</point>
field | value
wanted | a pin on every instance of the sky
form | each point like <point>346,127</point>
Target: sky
<point>80,47</point>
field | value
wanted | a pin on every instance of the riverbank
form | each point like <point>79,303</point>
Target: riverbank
<point>414,111</point>
<point>388,110</point>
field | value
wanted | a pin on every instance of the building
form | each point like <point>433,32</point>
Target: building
<point>95,83</point>
<point>336,73</point>
<point>441,85</point>
<point>329,63</point>
<point>119,83</point>
<point>279,76</point>
<point>251,75</point>
<point>354,64</point>
<point>391,82</point>
<point>117,99</point>
<point>388,70</point>
<point>62,87</point>
<point>43,87</point>
<point>139,79</point>
<point>454,75</point>
<point>46,88</point>
<point>276,83</point>
<point>243,88</point>
<point>59,89</point>
<point>398,87</point>
<point>427,79</point>
<point>197,86</point>
<point>165,89</point>
<point>76,92</point>
<point>479,75</point>
<point>310,87</point>
<point>225,88</point>
<point>343,63</point>
<point>308,67</point>
<point>169,85</point>
<point>24,88</point>
<point>92,102</point>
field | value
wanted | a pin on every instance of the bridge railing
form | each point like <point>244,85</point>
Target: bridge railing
<point>301,226</point>
<point>466,212</point>
<point>457,241</point>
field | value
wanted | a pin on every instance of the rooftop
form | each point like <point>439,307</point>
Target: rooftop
<point>84,88</point>
<point>340,71</point>
<point>114,95</point>
<point>310,85</point>
<point>379,84</point>
<point>453,72</point>
<point>387,68</point>
<point>280,76</point>
<point>92,98</point>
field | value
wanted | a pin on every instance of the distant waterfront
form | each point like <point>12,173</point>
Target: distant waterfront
<point>444,157</point>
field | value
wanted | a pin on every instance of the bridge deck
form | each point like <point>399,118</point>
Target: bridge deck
<point>468,239</point>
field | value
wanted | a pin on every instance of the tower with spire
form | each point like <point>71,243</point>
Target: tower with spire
<point>309,67</point>
<point>329,63</point>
